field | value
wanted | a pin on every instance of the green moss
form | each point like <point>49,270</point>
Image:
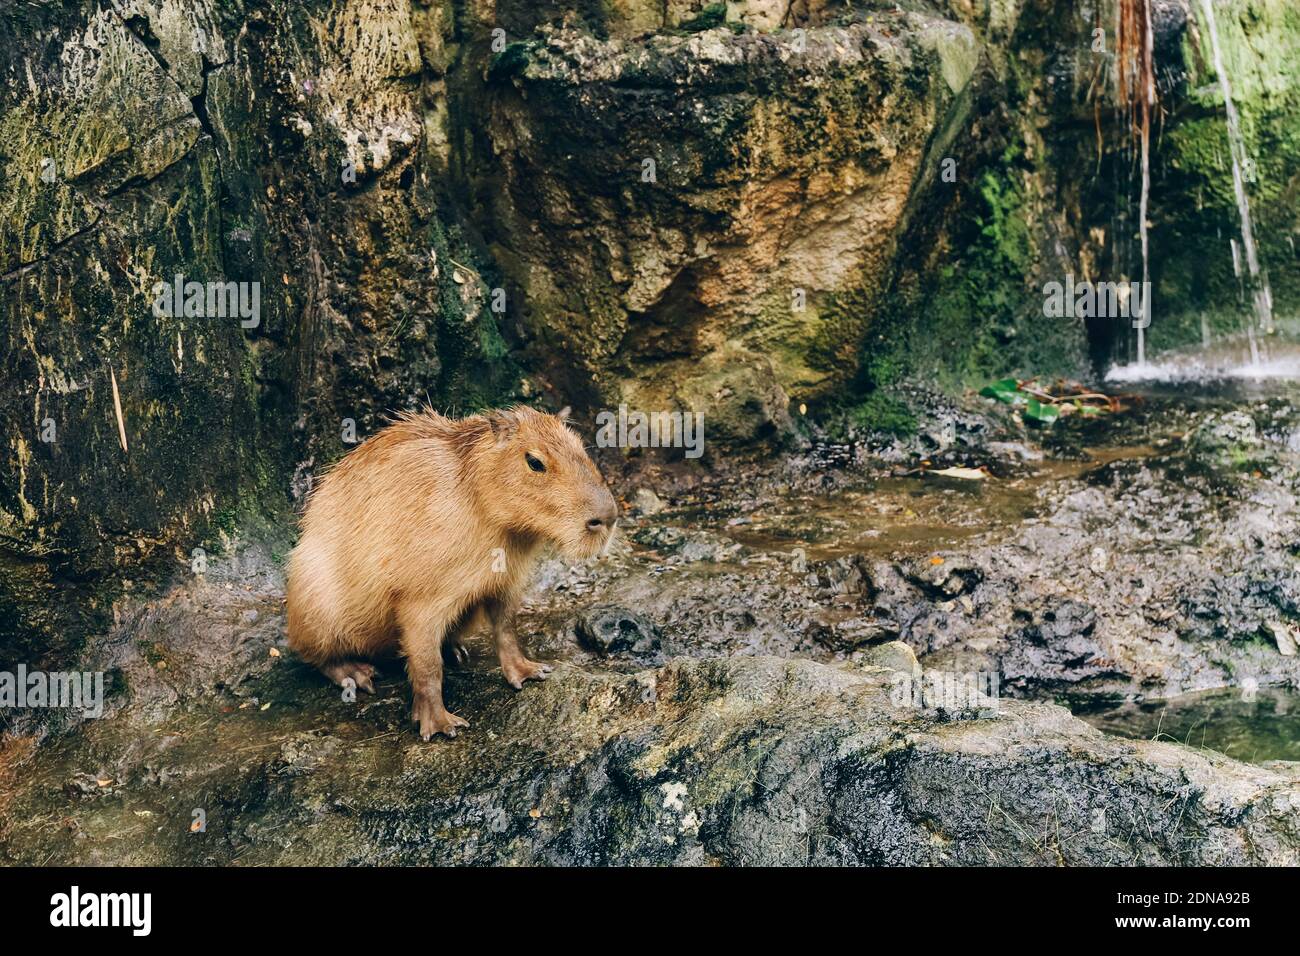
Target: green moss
<point>873,408</point>
<point>881,412</point>
<point>966,321</point>
<point>1194,205</point>
<point>511,61</point>
<point>1003,221</point>
<point>226,522</point>
<point>715,14</point>
<point>475,366</point>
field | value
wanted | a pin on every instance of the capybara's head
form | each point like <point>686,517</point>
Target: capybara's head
<point>543,482</point>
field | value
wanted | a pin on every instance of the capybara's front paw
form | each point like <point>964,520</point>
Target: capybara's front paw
<point>523,669</point>
<point>434,718</point>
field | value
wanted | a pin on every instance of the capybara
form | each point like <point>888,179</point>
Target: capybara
<point>429,525</point>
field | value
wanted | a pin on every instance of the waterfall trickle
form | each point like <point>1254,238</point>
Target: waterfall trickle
<point>1148,95</point>
<point>1135,89</point>
<point>1261,315</point>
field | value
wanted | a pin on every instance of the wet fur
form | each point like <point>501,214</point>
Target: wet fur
<point>399,542</point>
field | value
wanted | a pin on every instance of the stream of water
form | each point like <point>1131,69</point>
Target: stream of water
<point>1261,317</point>
<point>1258,321</point>
<point>1148,100</point>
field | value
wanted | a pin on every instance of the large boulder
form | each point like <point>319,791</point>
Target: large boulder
<point>753,760</point>
<point>706,221</point>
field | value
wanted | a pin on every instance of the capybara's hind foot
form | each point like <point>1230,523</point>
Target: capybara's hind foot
<point>518,671</point>
<point>434,718</point>
<point>360,673</point>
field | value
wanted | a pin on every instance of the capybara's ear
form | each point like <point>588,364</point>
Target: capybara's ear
<point>564,412</point>
<point>504,422</point>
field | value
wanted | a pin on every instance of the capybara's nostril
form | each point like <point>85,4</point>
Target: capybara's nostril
<point>606,516</point>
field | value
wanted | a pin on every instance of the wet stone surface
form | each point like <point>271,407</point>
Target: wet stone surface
<point>732,682</point>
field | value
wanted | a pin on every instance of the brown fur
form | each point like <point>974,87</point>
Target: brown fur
<point>399,547</point>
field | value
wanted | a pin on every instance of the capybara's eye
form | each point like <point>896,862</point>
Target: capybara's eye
<point>535,463</point>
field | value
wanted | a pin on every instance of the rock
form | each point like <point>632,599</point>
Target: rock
<point>1284,636</point>
<point>1226,441</point>
<point>943,575</point>
<point>1015,451</point>
<point>615,630</point>
<point>1060,647</point>
<point>701,546</point>
<point>647,502</point>
<point>747,761</point>
<point>661,537</point>
<point>850,633</point>
<point>785,171</point>
<point>849,575</point>
<point>893,655</point>
<point>162,139</point>
<point>686,546</point>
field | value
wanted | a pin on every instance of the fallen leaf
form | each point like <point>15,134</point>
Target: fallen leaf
<point>967,474</point>
<point>936,560</point>
<point>534,813</point>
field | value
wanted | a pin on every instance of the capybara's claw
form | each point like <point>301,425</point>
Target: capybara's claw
<point>457,652</point>
<point>361,674</point>
<point>435,719</point>
<point>448,724</point>
<point>519,671</point>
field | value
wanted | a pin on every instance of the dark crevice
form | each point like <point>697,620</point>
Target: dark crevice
<point>199,102</point>
<point>54,249</point>
<point>135,182</point>
<point>140,27</point>
<point>143,31</point>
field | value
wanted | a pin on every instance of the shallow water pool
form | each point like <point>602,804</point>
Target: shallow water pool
<point>1254,727</point>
